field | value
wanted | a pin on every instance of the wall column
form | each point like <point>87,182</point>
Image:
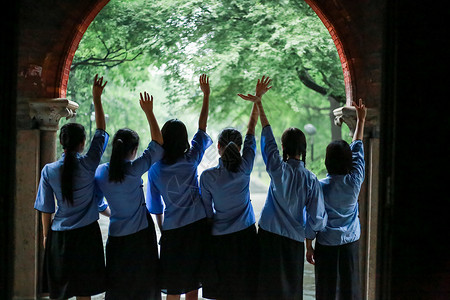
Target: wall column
<point>36,147</point>
<point>368,197</point>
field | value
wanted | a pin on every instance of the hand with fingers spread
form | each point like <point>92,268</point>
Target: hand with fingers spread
<point>263,86</point>
<point>250,97</point>
<point>204,84</point>
<point>361,112</point>
<point>146,102</point>
<point>98,86</point>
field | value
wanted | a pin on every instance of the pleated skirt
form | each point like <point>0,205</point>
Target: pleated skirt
<point>182,257</point>
<point>132,266</point>
<point>74,262</point>
<point>232,270</point>
<point>280,268</point>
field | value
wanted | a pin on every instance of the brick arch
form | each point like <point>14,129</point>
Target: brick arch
<point>72,45</point>
<point>335,32</point>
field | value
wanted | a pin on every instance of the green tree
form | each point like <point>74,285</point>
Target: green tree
<point>234,42</point>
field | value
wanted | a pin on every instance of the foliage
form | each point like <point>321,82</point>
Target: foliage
<point>163,46</point>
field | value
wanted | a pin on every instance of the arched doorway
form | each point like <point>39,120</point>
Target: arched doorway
<point>361,79</point>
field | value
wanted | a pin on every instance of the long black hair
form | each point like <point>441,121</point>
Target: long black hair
<point>294,143</point>
<point>230,140</point>
<point>70,137</point>
<point>176,142</point>
<point>125,141</point>
<point>338,159</point>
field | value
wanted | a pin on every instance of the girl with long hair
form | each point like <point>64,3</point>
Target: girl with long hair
<point>282,226</point>
<point>131,249</point>
<point>74,261</point>
<point>336,253</point>
<point>173,195</point>
<point>226,196</point>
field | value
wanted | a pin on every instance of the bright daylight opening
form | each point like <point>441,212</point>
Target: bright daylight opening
<point>162,47</point>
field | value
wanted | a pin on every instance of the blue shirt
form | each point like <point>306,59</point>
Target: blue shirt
<point>173,189</point>
<point>84,210</point>
<point>341,202</point>
<point>226,194</point>
<point>126,199</point>
<point>292,188</point>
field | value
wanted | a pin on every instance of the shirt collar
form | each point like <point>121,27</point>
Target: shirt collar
<point>220,162</point>
<point>64,154</point>
<point>295,162</point>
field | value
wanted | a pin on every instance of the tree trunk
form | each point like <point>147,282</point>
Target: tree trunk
<point>306,79</point>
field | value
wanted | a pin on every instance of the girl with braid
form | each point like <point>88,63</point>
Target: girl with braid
<point>282,226</point>
<point>74,262</point>
<point>226,196</point>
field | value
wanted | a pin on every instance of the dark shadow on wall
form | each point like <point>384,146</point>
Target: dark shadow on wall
<point>8,72</point>
<point>413,255</point>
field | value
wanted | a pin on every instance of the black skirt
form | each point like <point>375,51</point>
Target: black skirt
<point>337,271</point>
<point>132,266</point>
<point>235,258</point>
<point>281,267</point>
<point>182,254</point>
<point>74,262</point>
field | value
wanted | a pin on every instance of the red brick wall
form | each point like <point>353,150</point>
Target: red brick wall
<point>49,35</point>
<point>357,31</point>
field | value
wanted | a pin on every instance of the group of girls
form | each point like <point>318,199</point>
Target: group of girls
<point>208,234</point>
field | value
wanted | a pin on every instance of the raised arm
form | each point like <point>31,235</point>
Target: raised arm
<point>361,112</point>
<point>97,90</point>
<point>253,120</point>
<point>261,88</point>
<point>204,85</point>
<point>146,103</point>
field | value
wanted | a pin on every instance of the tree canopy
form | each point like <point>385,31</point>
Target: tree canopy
<point>162,46</point>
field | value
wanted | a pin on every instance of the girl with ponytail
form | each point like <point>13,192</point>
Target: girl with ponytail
<point>173,196</point>
<point>337,246</point>
<point>226,197</point>
<point>131,250</point>
<point>74,260</point>
<point>282,227</point>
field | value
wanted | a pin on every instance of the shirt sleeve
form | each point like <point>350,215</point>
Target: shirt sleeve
<point>206,196</point>
<point>152,154</point>
<point>358,163</point>
<point>96,149</point>
<point>155,204</point>
<point>269,150</point>
<point>249,153</point>
<point>45,199</point>
<point>98,194</point>
<point>316,216</point>
<point>200,142</point>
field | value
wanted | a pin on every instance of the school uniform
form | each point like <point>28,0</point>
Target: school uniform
<point>282,226</point>
<point>131,250</point>
<point>226,197</point>
<point>337,246</point>
<point>74,260</point>
<point>173,190</point>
